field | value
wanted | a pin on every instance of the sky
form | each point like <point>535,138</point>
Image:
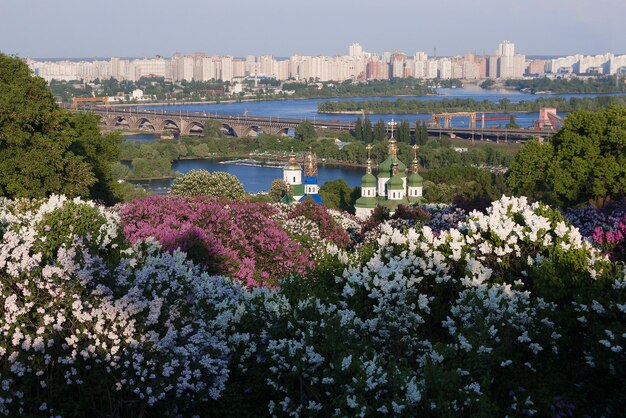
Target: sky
<point>142,28</point>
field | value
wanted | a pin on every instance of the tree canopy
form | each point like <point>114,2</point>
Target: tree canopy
<point>45,149</point>
<point>337,195</point>
<point>305,131</point>
<point>217,184</point>
<point>586,161</point>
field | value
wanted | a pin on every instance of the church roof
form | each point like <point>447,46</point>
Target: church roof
<point>297,189</point>
<point>316,198</point>
<point>414,180</point>
<point>368,202</point>
<point>387,165</point>
<point>395,183</point>
<point>287,199</point>
<point>368,180</point>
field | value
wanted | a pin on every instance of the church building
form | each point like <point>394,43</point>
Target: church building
<point>393,187</point>
<point>292,175</point>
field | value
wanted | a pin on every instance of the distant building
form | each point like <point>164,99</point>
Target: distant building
<point>536,67</point>
<point>393,186</point>
<point>292,175</point>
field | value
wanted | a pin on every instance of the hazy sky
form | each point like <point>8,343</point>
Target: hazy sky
<point>138,28</point>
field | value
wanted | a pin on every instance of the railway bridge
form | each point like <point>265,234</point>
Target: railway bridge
<point>194,123</point>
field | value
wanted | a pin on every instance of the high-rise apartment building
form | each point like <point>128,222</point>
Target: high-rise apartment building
<point>355,50</point>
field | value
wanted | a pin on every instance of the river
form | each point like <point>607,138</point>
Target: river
<point>307,108</point>
<point>257,179</point>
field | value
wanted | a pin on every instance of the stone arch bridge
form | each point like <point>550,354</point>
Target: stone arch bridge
<point>193,123</point>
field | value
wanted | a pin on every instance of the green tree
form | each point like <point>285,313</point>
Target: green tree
<point>487,84</point>
<point>218,184</point>
<point>380,131</point>
<point>590,157</point>
<point>358,129</point>
<point>404,132</point>
<point>45,149</point>
<point>337,194</point>
<point>512,123</point>
<point>278,189</point>
<point>585,162</point>
<point>421,133</point>
<point>305,131</point>
<point>212,129</point>
<point>368,135</point>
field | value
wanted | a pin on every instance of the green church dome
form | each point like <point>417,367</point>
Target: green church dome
<point>395,183</point>
<point>368,180</point>
<point>414,180</point>
<point>366,202</point>
<point>387,165</point>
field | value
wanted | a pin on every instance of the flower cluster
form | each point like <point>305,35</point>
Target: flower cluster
<point>606,227</point>
<point>85,327</point>
<point>511,312</point>
<point>237,239</point>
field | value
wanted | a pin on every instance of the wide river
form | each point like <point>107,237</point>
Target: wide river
<point>256,179</point>
<point>307,108</point>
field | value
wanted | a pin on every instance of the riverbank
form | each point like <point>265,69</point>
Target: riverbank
<point>451,105</point>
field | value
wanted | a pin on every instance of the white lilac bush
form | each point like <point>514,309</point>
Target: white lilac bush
<point>90,324</point>
<point>510,313</point>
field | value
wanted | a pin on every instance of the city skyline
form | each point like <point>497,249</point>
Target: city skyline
<point>359,65</point>
<point>69,28</point>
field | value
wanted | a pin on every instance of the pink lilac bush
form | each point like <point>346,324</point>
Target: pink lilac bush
<point>329,228</point>
<point>612,240</point>
<point>238,239</point>
<point>605,227</point>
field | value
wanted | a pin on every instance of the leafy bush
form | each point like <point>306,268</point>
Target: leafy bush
<point>218,184</point>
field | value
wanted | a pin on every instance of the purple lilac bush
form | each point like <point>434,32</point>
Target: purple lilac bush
<point>237,239</point>
<point>606,227</point>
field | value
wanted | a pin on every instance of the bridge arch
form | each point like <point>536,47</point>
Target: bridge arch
<point>227,129</point>
<point>246,130</point>
<point>167,125</point>
<point>192,127</point>
<point>122,121</point>
<point>143,123</point>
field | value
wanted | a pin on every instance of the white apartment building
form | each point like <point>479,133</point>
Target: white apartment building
<point>357,65</point>
<point>444,67</point>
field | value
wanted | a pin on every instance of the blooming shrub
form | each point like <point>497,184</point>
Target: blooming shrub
<point>606,227</point>
<point>509,313</point>
<point>218,184</point>
<point>328,227</point>
<point>613,240</point>
<point>238,239</point>
<point>79,335</point>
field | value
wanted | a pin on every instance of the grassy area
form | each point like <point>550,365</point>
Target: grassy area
<point>510,148</point>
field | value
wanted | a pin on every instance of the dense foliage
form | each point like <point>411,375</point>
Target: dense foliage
<point>607,84</point>
<point>217,184</point>
<point>393,87</point>
<point>511,312</point>
<point>405,106</point>
<point>44,149</point>
<point>584,162</point>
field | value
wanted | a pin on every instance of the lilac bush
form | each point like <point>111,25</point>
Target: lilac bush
<point>79,332</point>
<point>238,239</point>
<point>510,312</point>
<point>606,227</point>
